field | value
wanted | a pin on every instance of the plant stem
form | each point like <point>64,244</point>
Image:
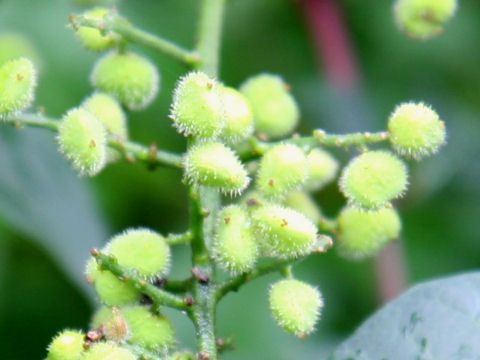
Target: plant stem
<point>175,239</point>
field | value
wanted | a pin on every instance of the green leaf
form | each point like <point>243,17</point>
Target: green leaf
<point>437,320</point>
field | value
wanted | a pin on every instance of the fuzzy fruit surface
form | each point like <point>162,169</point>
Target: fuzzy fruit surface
<point>107,109</point>
<point>92,38</point>
<point>304,203</point>
<point>107,351</point>
<point>323,168</point>
<point>238,116</point>
<point>68,345</point>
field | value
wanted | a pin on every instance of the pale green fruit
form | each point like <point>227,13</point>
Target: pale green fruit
<point>92,38</point>
<point>304,203</point>
<point>67,345</point>
<point>238,116</point>
<point>109,112</point>
<point>295,306</point>
<point>323,169</point>
<point>107,351</point>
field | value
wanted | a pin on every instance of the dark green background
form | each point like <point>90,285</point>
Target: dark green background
<point>40,294</point>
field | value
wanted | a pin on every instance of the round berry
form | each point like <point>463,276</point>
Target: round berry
<point>275,111</point>
<point>197,106</point>
<point>132,79</point>
<point>295,306</point>
<point>94,39</point>
<point>68,345</point>
<point>416,130</point>
<point>283,168</point>
<point>17,85</point>
<point>238,116</point>
<point>323,169</point>
<point>109,112</point>
<point>362,234</point>
<point>304,203</point>
<point>107,351</point>
<point>374,178</point>
<point>215,165</point>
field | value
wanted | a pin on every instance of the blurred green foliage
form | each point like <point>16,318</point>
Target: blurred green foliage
<point>440,213</point>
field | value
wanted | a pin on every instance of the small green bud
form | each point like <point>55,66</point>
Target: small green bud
<point>112,324</point>
<point>374,178</point>
<point>141,250</point>
<point>14,46</point>
<point>283,232</point>
<point>68,345</point>
<point>83,141</point>
<point>283,168</point>
<point>17,85</point>
<point>111,290</point>
<point>109,112</point>
<point>423,19</point>
<point>238,116</point>
<point>416,130</point>
<point>215,165</point>
<point>275,111</point>
<point>235,248</point>
<point>197,107</point>
<point>295,306</point>
<point>133,79</point>
<point>303,202</point>
<point>362,233</point>
<point>107,351</point>
<point>323,169</point>
<point>92,38</point>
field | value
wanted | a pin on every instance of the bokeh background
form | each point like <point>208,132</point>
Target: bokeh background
<point>50,218</point>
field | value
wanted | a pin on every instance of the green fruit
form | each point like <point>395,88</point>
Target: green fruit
<point>68,345</point>
<point>215,165</point>
<point>275,111</point>
<point>14,46</point>
<point>132,79</point>
<point>82,139</point>
<point>295,306</point>
<point>183,355</point>
<point>235,248</point>
<point>197,108</point>
<point>102,314</point>
<point>238,116</point>
<point>362,234</point>
<point>323,169</point>
<point>374,178</point>
<point>93,39</point>
<point>304,203</point>
<point>283,168</point>
<point>107,351</point>
<point>416,130</point>
<point>283,232</point>
<point>109,112</point>
<point>141,250</point>
<point>423,19</point>
<point>17,85</point>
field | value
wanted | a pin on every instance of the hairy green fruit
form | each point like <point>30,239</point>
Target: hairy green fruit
<point>109,112</point>
<point>17,85</point>
<point>197,108</point>
<point>283,232</point>
<point>131,78</point>
<point>323,169</point>
<point>82,139</point>
<point>68,345</point>
<point>374,178</point>
<point>235,248</point>
<point>275,111</point>
<point>363,233</point>
<point>283,168</point>
<point>295,306</point>
<point>416,130</point>
<point>423,19</point>
<point>108,351</point>
<point>92,38</point>
<point>111,290</point>
<point>215,165</point>
<point>141,250</point>
<point>238,116</point>
<point>303,202</point>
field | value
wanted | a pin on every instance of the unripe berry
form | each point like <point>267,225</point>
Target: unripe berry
<point>111,290</point>
<point>92,38</point>
<point>323,169</point>
<point>423,19</point>
<point>235,248</point>
<point>295,306</point>
<point>68,345</point>
<point>374,178</point>
<point>82,139</point>
<point>303,202</point>
<point>416,130</point>
<point>283,232</point>
<point>275,111</point>
<point>141,250</point>
<point>215,165</point>
<point>133,79</point>
<point>197,107</point>
<point>238,116</point>
<point>109,112</point>
<point>17,85</point>
<point>362,233</point>
<point>107,351</point>
<point>283,168</point>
